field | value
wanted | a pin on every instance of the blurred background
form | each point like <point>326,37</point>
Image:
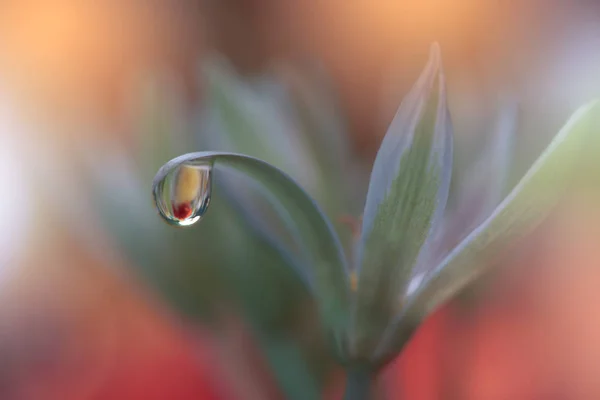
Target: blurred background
<point>102,300</point>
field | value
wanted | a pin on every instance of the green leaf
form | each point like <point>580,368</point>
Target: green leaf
<point>256,118</point>
<point>406,199</point>
<point>478,193</point>
<point>324,127</point>
<point>542,187</point>
<point>326,262</point>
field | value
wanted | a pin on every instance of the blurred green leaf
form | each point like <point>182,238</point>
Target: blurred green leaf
<point>478,193</point>
<point>290,367</point>
<point>542,187</point>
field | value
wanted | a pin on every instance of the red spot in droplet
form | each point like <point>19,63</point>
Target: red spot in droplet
<point>182,211</point>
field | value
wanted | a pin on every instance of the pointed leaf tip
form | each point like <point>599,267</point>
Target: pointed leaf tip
<point>407,194</point>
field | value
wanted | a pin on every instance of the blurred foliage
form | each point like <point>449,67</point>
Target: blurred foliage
<point>234,258</point>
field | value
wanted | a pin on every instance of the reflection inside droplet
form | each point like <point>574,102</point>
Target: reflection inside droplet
<point>183,195</point>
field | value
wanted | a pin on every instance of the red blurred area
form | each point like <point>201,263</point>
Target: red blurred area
<point>78,331</point>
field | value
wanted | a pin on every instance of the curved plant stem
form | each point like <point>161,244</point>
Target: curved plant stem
<point>358,384</point>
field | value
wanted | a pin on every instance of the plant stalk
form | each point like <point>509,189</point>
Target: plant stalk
<point>358,384</point>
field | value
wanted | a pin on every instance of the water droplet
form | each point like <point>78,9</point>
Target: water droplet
<point>183,196</point>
